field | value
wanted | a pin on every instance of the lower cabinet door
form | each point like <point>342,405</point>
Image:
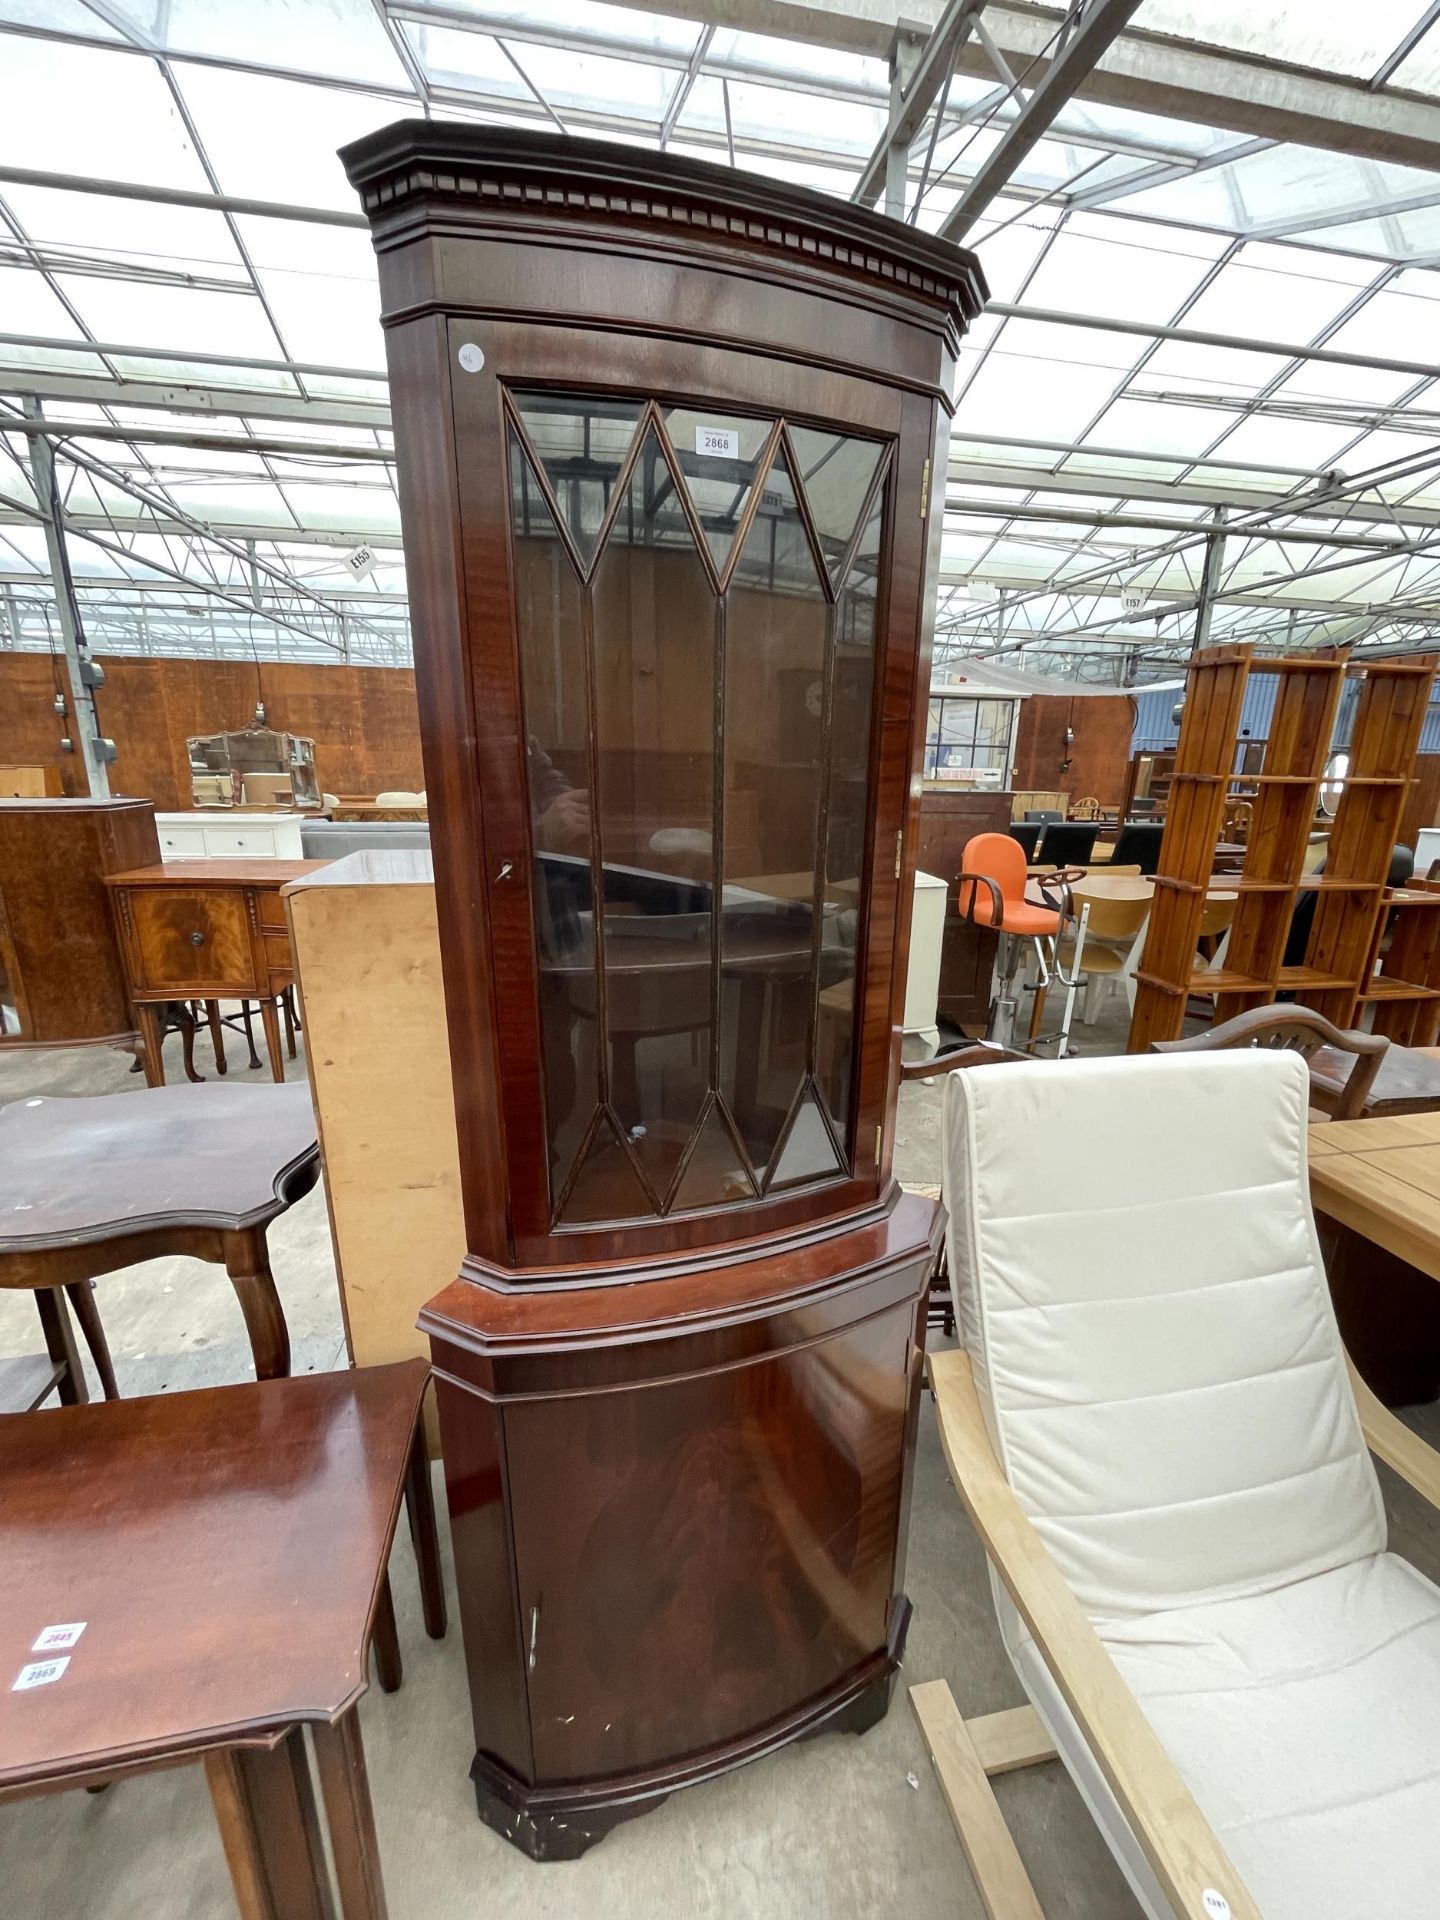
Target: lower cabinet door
<point>189,940</point>
<point>699,1557</point>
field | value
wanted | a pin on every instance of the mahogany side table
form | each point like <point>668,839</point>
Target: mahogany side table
<point>176,1541</point>
<point>89,1185</point>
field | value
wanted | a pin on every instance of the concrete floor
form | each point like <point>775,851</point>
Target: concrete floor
<point>842,1828</point>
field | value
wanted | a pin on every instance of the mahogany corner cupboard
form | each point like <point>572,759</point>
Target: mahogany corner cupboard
<point>670,442</point>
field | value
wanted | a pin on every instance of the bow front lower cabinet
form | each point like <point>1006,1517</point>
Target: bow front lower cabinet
<point>671,444</point>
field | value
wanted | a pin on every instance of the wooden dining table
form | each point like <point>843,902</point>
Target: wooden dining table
<point>1375,1186</point>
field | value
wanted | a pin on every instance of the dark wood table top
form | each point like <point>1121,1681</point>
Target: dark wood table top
<point>1408,1080</point>
<point>216,873</point>
<point>73,1171</point>
<point>225,1550</point>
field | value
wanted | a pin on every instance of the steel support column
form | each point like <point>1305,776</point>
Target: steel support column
<point>90,743</point>
<point>1210,574</point>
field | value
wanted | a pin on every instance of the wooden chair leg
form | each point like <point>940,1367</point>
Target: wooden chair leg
<point>60,1345</point>
<point>265,1808</point>
<point>81,1295</point>
<point>271,1017</point>
<point>249,1033</point>
<point>217,1034</point>
<point>957,1748</point>
<point>248,1264</point>
<point>424,1536</point>
<point>345,1789</point>
<point>385,1639</point>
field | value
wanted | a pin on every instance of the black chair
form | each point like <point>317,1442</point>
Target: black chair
<point>1047,816</point>
<point>1402,868</point>
<point>1028,833</point>
<point>1140,804</point>
<point>1138,845</point>
<point>1069,844</point>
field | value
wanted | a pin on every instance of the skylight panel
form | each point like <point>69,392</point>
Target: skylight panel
<point>90,112</point>
<point>343,39</point>
<point>1335,36</point>
<point>1078,275</point>
<point>236,113</point>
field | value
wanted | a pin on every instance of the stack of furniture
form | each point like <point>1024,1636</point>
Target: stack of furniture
<point>1403,980</point>
<point>62,979</point>
<point>1334,972</point>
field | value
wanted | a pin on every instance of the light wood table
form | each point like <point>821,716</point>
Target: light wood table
<point>1377,1184</point>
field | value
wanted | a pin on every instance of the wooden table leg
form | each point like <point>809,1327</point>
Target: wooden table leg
<point>152,1057</point>
<point>269,1013</point>
<point>385,1639</point>
<point>60,1345</point>
<point>81,1295</point>
<point>217,1034</point>
<point>249,1033</point>
<point>424,1537</point>
<point>248,1265</point>
<point>345,1788</point>
<point>265,1808</point>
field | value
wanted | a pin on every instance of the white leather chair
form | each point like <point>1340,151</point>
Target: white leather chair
<point>1153,1427</point>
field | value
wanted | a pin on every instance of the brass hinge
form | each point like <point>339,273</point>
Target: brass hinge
<point>878,1132</point>
<point>899,851</point>
<point>925,490</point>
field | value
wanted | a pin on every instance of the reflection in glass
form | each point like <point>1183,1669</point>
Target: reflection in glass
<point>607,1186</point>
<point>809,1152</point>
<point>777,619</point>
<point>582,444</point>
<point>654,624</point>
<point>718,455</point>
<point>692,1058</point>
<point>835,473</point>
<point>846,813</point>
<point>552,670</point>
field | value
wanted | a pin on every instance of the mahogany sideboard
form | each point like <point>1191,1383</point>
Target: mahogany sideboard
<point>205,930</point>
<point>62,980</point>
<point>949,819</point>
<point>669,441</point>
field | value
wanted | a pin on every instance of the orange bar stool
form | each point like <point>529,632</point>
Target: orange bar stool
<point>991,893</point>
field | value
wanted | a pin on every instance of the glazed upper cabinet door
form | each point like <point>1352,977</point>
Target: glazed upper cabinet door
<point>696,597</point>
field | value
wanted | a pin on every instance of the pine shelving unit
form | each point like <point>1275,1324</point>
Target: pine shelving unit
<point>1352,907</point>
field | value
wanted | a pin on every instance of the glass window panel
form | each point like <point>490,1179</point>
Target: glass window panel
<point>835,473</point>
<point>784,114</point>
<point>139,314</point>
<point>1080,274</point>
<point>547,600</point>
<point>716,1173</point>
<point>590,80</point>
<point>718,455</point>
<point>776,624</point>
<point>1143,424</point>
<point>585,18</point>
<point>809,1152</point>
<point>1334,35</point>
<point>343,38</point>
<point>800,59</point>
<point>1033,399</point>
<point>1419,72</point>
<point>233,110</point>
<point>847,816</point>
<point>654,674</point>
<point>139,232</point>
<point>60,16</point>
<point>607,1186</point>
<point>118,121</point>
<point>322,286</point>
<point>582,444</point>
<point>368,509</point>
<point>470,62</point>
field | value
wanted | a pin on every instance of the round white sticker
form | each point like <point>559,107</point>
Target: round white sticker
<point>1216,1906</point>
<point>470,357</point>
